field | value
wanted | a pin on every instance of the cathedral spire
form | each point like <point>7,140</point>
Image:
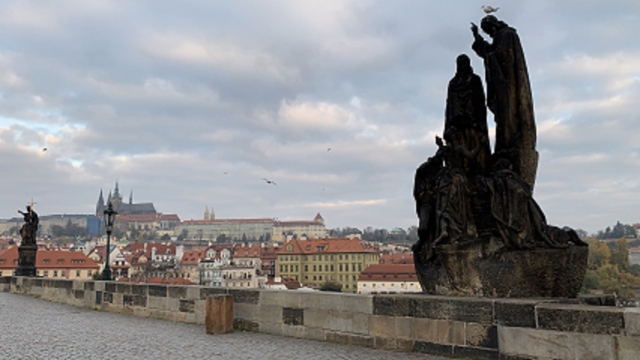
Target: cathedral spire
<point>206,213</point>
<point>100,205</point>
<point>131,197</point>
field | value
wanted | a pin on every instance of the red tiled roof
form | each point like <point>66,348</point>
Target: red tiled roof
<point>290,283</point>
<point>251,251</point>
<point>323,246</point>
<point>138,217</point>
<point>157,280</point>
<point>227,220</point>
<point>389,272</point>
<point>49,260</point>
<point>191,257</point>
<point>169,217</point>
<point>161,249</point>
<point>397,258</point>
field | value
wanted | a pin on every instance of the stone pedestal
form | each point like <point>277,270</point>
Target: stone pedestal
<point>27,260</point>
<point>465,271</point>
<point>219,314</point>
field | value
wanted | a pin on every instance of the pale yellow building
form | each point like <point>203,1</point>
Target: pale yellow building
<point>315,262</point>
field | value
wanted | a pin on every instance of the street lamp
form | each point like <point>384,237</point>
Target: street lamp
<point>109,219</point>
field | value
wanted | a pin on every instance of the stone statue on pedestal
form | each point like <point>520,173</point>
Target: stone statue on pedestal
<point>481,233</point>
<point>28,247</point>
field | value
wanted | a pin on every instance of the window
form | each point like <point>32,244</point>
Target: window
<point>78,273</point>
<point>354,278</point>
<point>359,267</point>
<point>63,273</point>
<point>314,268</point>
<point>340,267</point>
<point>326,268</point>
<point>320,277</point>
<point>46,273</point>
<point>306,268</point>
<point>340,257</point>
<point>55,273</point>
<point>331,267</point>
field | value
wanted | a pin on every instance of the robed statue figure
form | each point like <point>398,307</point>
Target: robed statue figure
<point>509,95</point>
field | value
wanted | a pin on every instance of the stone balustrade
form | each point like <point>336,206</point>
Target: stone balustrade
<point>478,328</point>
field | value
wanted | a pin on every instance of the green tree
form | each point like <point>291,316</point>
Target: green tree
<point>620,257</point>
<point>599,253</point>
<point>331,286</point>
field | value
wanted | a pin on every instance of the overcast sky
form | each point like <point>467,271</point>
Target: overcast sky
<point>192,103</point>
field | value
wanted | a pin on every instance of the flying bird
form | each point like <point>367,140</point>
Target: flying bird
<point>328,149</point>
<point>44,149</point>
<point>489,9</point>
<point>269,181</point>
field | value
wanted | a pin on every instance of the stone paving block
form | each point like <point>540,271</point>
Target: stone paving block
<point>316,318</point>
<point>627,347</point>
<point>581,318</point>
<point>99,285</point>
<point>535,343</point>
<point>157,303</point>
<point>632,321</point>
<point>284,298</point>
<point>157,290</point>
<point>187,306</point>
<point>193,292</point>
<point>292,316</point>
<point>382,326</point>
<point>294,331</point>
<point>269,313</point>
<point>360,323</point>
<point>110,286</point>
<point>205,292</point>
<point>77,284</point>
<point>516,313</point>
<point>177,292</point>
<point>425,330</point>
<point>592,346</point>
<point>450,332</point>
<point>246,311</point>
<point>124,288</point>
<point>78,294</point>
<point>245,296</point>
<point>140,289</point>
<point>320,300</point>
<point>478,310</point>
<point>481,335</point>
<point>89,286</point>
<point>355,303</point>
<point>393,305</point>
<point>244,324</point>
<point>403,327</point>
<point>339,321</point>
<point>270,328</point>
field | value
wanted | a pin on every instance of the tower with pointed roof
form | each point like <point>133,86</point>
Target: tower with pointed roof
<point>100,206</point>
<point>206,213</point>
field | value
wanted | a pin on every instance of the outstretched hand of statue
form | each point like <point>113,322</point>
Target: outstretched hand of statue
<point>439,141</point>
<point>474,29</point>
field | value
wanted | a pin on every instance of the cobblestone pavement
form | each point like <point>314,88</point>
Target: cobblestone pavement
<point>38,329</point>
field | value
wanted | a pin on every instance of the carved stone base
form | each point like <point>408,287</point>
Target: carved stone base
<point>463,271</point>
<point>27,260</point>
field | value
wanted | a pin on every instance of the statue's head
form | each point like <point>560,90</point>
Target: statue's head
<point>463,64</point>
<point>490,25</point>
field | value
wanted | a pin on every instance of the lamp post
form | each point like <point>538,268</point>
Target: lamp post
<point>109,219</point>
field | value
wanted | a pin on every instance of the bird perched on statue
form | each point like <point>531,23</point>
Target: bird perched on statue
<point>489,9</point>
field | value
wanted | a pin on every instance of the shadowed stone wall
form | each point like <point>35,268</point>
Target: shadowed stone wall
<point>478,328</point>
